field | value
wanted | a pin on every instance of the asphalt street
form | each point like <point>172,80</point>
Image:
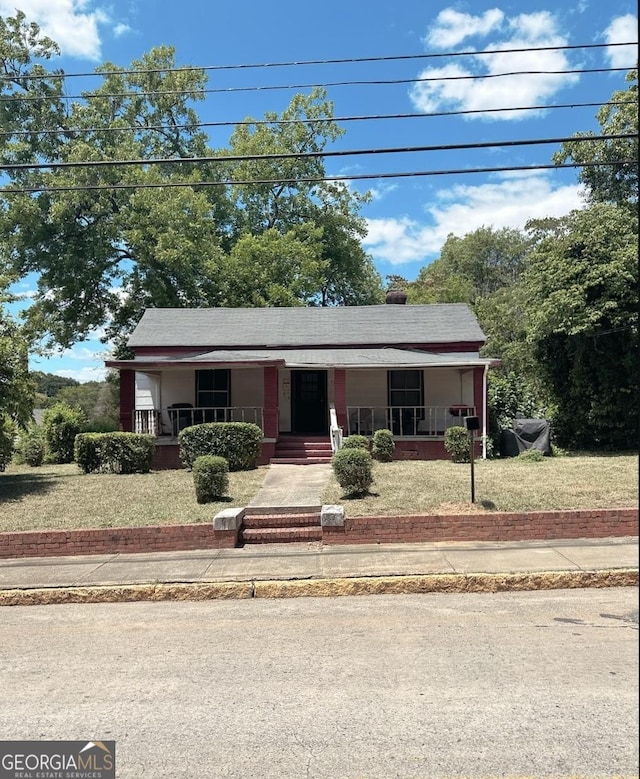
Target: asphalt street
<point>408,686</point>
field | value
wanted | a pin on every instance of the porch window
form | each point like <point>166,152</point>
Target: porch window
<point>406,388</point>
<point>406,398</point>
<point>213,388</point>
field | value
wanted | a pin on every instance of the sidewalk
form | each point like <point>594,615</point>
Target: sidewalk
<point>418,566</point>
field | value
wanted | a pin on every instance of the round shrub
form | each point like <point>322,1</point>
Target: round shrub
<point>353,470</point>
<point>456,442</point>
<point>210,478</point>
<point>383,445</point>
<point>356,442</point>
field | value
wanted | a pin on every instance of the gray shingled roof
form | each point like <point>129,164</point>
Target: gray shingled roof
<point>306,327</point>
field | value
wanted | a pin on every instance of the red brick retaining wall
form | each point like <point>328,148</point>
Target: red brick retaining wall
<point>492,526</point>
<point>59,543</point>
<point>593,523</point>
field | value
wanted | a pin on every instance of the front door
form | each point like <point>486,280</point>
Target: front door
<point>309,411</point>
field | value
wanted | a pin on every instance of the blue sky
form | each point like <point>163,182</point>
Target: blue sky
<point>408,218</point>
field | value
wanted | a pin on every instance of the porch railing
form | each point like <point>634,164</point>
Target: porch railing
<point>171,420</point>
<point>406,420</point>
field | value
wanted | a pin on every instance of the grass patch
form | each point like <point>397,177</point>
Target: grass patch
<point>439,486</point>
<point>62,497</point>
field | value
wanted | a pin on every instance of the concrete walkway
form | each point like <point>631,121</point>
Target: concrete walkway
<point>293,485</point>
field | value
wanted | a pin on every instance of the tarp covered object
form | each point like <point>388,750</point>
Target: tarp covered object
<point>526,434</point>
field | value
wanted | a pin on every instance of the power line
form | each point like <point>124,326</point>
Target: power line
<point>275,87</point>
<point>341,61</point>
<point>310,154</point>
<point>307,180</point>
<point>318,120</point>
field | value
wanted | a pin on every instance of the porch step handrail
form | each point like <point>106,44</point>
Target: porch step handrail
<point>335,431</point>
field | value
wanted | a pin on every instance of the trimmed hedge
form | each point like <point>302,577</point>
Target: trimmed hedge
<point>114,452</point>
<point>356,442</point>
<point>240,443</point>
<point>353,470</point>
<point>383,445</point>
<point>210,478</point>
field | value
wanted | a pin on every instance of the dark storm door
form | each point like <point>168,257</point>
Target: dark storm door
<point>309,411</point>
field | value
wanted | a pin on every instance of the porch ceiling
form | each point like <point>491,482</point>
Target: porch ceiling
<point>311,358</point>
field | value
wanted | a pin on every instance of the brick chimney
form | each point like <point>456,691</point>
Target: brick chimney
<point>396,297</point>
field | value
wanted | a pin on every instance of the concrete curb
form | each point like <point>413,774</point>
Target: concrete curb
<point>300,588</point>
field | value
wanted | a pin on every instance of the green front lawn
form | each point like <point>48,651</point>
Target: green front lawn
<point>61,496</point>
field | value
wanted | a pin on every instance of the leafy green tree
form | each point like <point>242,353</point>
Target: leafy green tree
<point>435,284</point>
<point>612,181</point>
<point>106,241</point>
<point>582,321</point>
<point>98,401</point>
<point>294,196</point>
<point>104,254</point>
<point>502,316</point>
<point>486,259</point>
<point>17,389</point>
<point>28,127</point>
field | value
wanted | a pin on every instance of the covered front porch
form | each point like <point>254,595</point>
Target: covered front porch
<point>315,394</point>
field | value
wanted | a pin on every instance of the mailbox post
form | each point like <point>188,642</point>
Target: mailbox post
<point>472,424</point>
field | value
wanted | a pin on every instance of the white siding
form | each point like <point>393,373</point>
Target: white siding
<point>247,387</point>
<point>367,387</point>
<point>147,391</point>
<point>447,386</point>
<point>178,387</point>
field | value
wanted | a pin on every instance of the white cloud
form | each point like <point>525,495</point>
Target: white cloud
<point>121,29</point>
<point>510,201</point>
<point>622,29</point>
<point>69,22</point>
<point>487,89</point>
<point>380,191</point>
<point>452,27</point>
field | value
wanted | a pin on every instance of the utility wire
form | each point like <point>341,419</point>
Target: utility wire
<point>310,154</point>
<point>319,120</point>
<point>273,87</point>
<point>341,61</point>
<point>307,180</point>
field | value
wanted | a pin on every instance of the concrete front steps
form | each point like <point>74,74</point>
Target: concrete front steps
<point>302,450</point>
<point>281,525</point>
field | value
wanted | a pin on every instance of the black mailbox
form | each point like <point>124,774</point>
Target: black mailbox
<point>472,423</point>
